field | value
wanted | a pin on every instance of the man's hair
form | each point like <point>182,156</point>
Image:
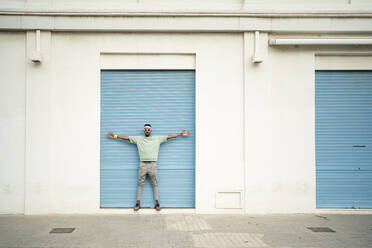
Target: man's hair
<point>147,125</point>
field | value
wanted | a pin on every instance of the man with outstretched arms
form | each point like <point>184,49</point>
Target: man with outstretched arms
<point>148,149</point>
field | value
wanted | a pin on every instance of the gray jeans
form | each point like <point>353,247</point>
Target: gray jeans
<point>147,167</point>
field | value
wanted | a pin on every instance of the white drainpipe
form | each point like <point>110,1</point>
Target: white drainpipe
<point>257,58</point>
<point>35,55</point>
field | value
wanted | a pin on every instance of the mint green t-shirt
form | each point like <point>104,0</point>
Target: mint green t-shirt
<point>148,147</point>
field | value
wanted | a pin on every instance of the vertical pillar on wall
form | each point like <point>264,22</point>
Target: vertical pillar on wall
<point>37,150</point>
<point>257,125</point>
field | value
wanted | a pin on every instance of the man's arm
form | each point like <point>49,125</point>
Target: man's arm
<point>111,135</point>
<point>183,133</point>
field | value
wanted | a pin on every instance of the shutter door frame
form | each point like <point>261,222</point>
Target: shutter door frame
<point>129,99</point>
<point>343,121</point>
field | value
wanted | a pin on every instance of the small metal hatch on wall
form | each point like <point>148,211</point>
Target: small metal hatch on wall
<point>231,199</point>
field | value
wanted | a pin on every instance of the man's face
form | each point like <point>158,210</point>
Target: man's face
<point>147,131</point>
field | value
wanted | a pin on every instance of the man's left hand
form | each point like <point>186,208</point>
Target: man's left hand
<point>185,133</point>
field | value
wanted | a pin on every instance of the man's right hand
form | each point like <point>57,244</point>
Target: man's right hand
<point>111,135</point>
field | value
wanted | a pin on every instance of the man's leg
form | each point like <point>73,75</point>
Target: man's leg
<point>153,173</point>
<point>141,182</point>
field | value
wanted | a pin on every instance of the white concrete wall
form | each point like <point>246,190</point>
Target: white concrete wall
<point>74,112</point>
<point>12,121</point>
<point>259,153</point>
<point>39,133</point>
<point>280,122</point>
<point>185,5</point>
<point>293,130</point>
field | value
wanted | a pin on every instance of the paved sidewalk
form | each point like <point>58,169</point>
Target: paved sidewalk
<point>187,230</point>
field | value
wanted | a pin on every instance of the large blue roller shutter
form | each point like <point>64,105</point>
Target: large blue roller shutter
<point>343,130</point>
<point>129,99</point>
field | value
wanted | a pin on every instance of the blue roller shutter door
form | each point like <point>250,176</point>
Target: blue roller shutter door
<point>343,130</point>
<point>129,99</point>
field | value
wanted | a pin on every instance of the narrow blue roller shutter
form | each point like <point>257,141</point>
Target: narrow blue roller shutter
<point>343,130</point>
<point>166,100</point>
